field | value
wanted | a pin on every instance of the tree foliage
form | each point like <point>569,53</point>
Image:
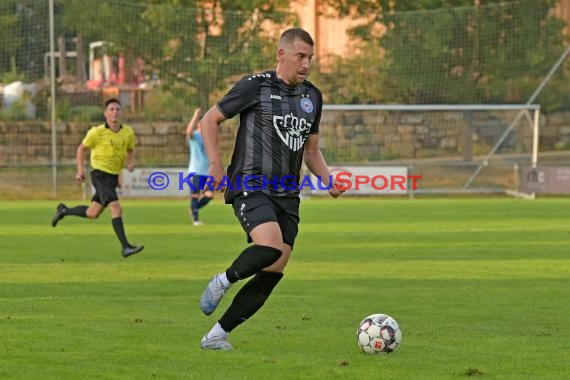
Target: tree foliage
<point>437,51</point>
<point>23,38</point>
<point>192,46</point>
<point>412,51</point>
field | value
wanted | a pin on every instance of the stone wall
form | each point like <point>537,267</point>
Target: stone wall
<point>346,137</point>
<point>30,143</point>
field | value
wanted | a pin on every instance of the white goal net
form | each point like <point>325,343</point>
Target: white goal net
<point>455,148</point>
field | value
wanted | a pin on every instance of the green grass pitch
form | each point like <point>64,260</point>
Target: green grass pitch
<point>480,288</point>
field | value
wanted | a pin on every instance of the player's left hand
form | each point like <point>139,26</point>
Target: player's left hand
<point>131,167</point>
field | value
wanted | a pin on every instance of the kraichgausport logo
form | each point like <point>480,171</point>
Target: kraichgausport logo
<point>344,179</point>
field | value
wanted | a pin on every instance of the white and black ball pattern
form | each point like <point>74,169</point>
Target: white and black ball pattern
<point>379,334</point>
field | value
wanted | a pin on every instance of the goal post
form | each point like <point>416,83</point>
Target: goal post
<point>456,148</point>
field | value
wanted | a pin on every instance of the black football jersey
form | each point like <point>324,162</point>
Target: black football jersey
<point>275,122</point>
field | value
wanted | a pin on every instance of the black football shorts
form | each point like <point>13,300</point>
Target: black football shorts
<point>254,209</point>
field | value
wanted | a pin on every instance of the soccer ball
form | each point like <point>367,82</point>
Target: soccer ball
<point>379,334</point>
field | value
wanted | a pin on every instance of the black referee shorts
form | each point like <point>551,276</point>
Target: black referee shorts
<point>257,208</point>
<point>105,185</point>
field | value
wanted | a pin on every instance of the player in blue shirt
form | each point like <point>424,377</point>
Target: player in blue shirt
<point>199,164</point>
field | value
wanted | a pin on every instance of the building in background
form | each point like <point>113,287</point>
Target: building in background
<point>328,29</point>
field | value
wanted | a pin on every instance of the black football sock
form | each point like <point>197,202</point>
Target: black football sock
<point>203,201</point>
<point>194,207</point>
<point>253,259</point>
<point>249,299</point>
<point>120,231</point>
<point>76,211</point>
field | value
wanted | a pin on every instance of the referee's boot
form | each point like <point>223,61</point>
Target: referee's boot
<point>59,214</point>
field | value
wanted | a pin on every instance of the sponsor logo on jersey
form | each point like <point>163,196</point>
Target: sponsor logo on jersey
<point>273,96</point>
<point>292,130</point>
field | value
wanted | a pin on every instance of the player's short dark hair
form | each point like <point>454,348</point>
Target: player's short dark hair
<point>112,100</point>
<point>293,34</point>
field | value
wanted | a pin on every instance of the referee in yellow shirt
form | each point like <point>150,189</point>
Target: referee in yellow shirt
<point>111,144</point>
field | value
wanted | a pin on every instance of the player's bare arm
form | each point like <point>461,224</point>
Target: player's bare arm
<point>316,163</point>
<point>80,158</point>
<point>193,124</point>
<point>210,128</point>
<point>131,160</point>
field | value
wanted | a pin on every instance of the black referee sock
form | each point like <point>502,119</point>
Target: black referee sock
<point>120,231</point>
<point>249,299</point>
<point>77,211</point>
<point>252,259</point>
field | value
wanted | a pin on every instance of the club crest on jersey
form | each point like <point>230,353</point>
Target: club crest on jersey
<point>306,105</point>
<point>292,130</point>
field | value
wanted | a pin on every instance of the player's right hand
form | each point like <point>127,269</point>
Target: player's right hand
<point>80,177</point>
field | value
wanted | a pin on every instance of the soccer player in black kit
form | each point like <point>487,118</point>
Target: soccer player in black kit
<point>279,113</point>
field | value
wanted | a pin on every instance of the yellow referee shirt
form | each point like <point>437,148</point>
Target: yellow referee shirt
<point>109,149</point>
